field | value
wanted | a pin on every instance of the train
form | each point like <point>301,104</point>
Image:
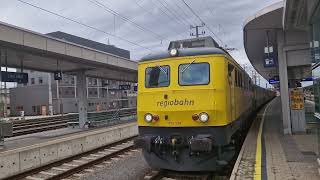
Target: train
<point>193,104</point>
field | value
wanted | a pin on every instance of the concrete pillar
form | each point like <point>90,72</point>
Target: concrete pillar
<point>50,95</point>
<point>82,98</point>
<point>284,90</point>
<point>75,86</point>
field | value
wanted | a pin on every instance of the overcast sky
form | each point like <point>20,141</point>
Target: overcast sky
<point>162,20</point>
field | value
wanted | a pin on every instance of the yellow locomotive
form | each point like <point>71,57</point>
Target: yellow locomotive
<point>193,102</point>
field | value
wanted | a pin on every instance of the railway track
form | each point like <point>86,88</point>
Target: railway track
<point>80,164</point>
<point>44,124</point>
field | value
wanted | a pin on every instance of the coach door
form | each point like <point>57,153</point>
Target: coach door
<point>231,81</point>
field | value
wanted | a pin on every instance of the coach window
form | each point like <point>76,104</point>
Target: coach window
<point>158,76</point>
<point>240,79</point>
<point>194,74</point>
<point>237,78</point>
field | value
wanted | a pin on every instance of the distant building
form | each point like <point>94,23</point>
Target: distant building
<point>33,97</point>
<point>91,44</point>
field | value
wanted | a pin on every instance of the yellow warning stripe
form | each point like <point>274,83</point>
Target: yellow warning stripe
<point>257,167</point>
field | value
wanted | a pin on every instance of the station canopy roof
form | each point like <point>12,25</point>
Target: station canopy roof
<point>258,30</point>
<point>35,51</point>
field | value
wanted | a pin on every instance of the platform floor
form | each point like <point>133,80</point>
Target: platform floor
<point>45,136</point>
<point>268,154</point>
<point>35,138</point>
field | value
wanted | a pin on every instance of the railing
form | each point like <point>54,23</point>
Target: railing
<point>111,117</point>
<point>95,119</point>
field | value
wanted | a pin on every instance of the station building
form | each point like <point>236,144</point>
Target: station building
<point>103,94</point>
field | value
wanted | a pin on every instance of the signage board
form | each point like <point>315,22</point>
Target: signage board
<point>308,79</point>
<point>269,60</point>
<point>135,88</point>
<point>125,87</point>
<point>18,77</point>
<point>296,99</point>
<point>57,75</point>
<point>274,81</point>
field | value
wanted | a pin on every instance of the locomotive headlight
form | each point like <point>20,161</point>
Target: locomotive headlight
<point>204,117</point>
<point>148,117</point>
<point>173,52</point>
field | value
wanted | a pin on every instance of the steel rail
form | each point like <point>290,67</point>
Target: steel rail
<point>67,167</point>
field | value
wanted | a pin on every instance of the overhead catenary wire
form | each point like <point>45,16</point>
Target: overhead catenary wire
<point>83,24</point>
<point>183,11</point>
<point>149,11</point>
<point>210,10</point>
<point>174,13</point>
<point>115,13</point>
<point>199,18</point>
<point>168,15</point>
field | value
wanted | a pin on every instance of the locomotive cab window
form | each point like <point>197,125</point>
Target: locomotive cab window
<point>194,74</point>
<point>158,76</point>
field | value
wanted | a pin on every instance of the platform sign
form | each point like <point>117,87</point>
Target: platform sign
<point>308,79</point>
<point>18,77</point>
<point>57,75</point>
<point>125,87</point>
<point>274,80</point>
<point>270,60</point>
<point>297,99</point>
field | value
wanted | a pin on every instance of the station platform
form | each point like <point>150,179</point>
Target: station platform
<point>269,154</point>
<point>24,153</point>
<point>40,137</point>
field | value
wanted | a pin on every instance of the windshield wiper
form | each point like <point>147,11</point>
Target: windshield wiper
<point>187,66</point>
<point>164,71</point>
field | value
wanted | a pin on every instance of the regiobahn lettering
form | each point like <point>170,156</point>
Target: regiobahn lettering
<point>176,102</point>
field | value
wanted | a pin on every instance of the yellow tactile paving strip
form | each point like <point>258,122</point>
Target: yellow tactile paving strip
<point>263,157</point>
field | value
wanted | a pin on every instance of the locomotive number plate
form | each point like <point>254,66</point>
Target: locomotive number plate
<point>175,123</point>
